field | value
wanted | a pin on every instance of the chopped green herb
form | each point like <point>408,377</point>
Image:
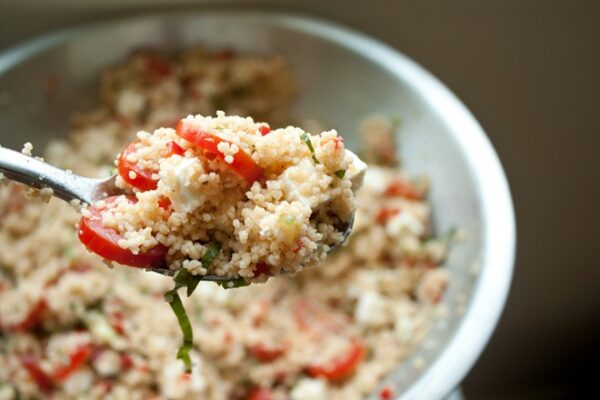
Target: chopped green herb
<point>172,297</point>
<point>234,283</point>
<point>340,173</point>
<point>306,140</point>
<point>211,253</point>
<point>183,278</point>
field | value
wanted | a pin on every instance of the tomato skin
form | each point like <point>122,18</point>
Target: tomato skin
<point>264,129</point>
<point>243,165</point>
<point>77,359</point>
<point>33,318</point>
<point>173,148</point>
<point>402,189</point>
<point>387,393</point>
<point>262,269</point>
<point>342,367</point>
<point>126,361</point>
<point>143,176</point>
<point>386,213</point>
<point>260,393</point>
<point>104,242</point>
<point>265,354</point>
<point>41,378</point>
<point>156,66</point>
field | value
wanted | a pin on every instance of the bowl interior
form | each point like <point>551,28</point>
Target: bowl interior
<point>339,85</point>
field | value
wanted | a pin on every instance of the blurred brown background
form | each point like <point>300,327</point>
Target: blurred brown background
<point>530,72</point>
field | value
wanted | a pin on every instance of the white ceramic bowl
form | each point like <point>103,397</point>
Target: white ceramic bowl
<point>343,77</point>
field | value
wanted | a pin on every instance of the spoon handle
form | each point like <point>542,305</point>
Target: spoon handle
<point>38,174</point>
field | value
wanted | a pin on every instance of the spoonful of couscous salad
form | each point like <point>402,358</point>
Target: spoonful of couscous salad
<point>218,198</point>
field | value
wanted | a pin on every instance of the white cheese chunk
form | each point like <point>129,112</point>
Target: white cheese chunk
<point>309,389</point>
<point>293,181</point>
<point>371,309</point>
<point>404,222</point>
<point>356,171</point>
<point>376,179</point>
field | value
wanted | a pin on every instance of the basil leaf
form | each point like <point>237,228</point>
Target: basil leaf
<point>183,278</point>
<point>172,297</point>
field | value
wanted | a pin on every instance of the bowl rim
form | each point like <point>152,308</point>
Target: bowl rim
<point>499,237</point>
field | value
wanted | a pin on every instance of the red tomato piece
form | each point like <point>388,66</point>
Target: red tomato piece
<point>174,148</point>
<point>33,318</point>
<point>164,203</point>
<point>156,65</point>
<point>342,367</point>
<point>402,189</point>
<point>264,129</point>
<point>37,374</point>
<point>126,361</point>
<point>105,242</point>
<point>386,213</point>
<point>116,322</point>
<point>262,269</point>
<point>260,393</point>
<point>265,354</point>
<point>76,360</point>
<point>142,177</point>
<point>387,393</point>
<point>243,165</point>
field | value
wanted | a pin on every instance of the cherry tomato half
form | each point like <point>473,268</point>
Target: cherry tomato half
<point>243,165</point>
<point>76,360</point>
<point>265,354</point>
<point>105,242</point>
<point>260,393</point>
<point>138,177</point>
<point>341,367</point>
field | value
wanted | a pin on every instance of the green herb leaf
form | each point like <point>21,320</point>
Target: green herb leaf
<point>306,139</point>
<point>211,253</point>
<point>340,173</point>
<point>234,283</point>
<point>183,278</point>
<point>172,297</point>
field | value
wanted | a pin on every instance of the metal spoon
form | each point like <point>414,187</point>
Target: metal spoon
<point>68,186</point>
